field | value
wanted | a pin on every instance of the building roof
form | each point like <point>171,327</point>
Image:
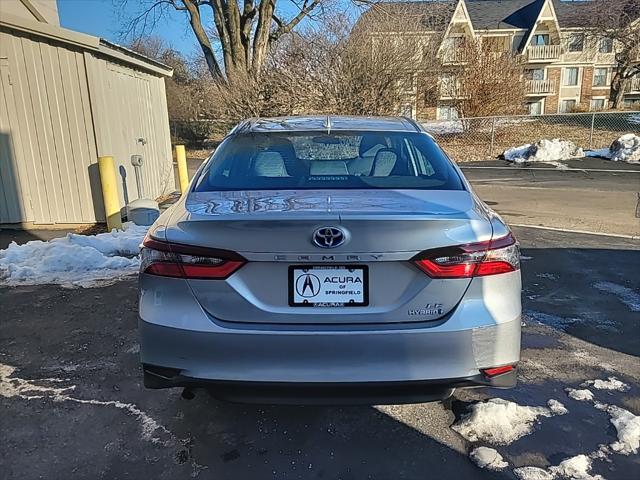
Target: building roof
<point>571,13</point>
<point>426,15</point>
<point>498,14</point>
<point>326,123</point>
<point>435,15</point>
<point>85,42</point>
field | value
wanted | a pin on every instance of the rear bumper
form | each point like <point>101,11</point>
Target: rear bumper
<point>413,360</point>
<point>325,393</point>
<point>420,360</point>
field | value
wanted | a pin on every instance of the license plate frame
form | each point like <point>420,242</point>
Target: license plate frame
<point>364,269</point>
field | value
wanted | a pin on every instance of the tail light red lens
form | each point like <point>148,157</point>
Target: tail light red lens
<point>185,261</point>
<point>492,257</point>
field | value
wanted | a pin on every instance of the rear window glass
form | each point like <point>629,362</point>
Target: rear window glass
<point>316,160</point>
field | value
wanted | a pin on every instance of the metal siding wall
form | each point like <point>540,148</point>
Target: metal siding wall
<point>128,104</point>
<point>55,145</point>
<point>61,108</point>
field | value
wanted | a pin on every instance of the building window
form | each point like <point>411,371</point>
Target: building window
<point>571,76</point>
<point>600,77</point>
<point>534,74</point>
<point>537,40</point>
<point>447,112</point>
<point>567,106</point>
<point>606,45</point>
<point>535,108</point>
<point>598,104</point>
<point>576,42</point>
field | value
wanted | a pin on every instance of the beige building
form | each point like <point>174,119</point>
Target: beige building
<point>565,69</point>
<point>67,98</point>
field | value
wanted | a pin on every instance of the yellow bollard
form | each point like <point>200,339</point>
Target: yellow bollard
<point>183,173</point>
<point>110,197</point>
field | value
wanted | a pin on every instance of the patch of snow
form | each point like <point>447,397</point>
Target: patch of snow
<point>443,127</point>
<point>573,468</point>
<point>485,457</point>
<point>612,383</point>
<point>580,395</point>
<point>12,386</point>
<point>577,467</point>
<point>548,151</point>
<point>517,154</point>
<point>624,149</point>
<point>556,407</point>
<point>628,427</point>
<point>626,295</point>
<point>75,260</point>
<point>532,473</point>
<point>499,421</point>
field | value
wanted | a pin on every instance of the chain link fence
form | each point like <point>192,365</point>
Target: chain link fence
<point>467,139</point>
<point>488,137</point>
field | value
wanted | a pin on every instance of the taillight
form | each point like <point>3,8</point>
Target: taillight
<point>495,256</point>
<point>186,261</point>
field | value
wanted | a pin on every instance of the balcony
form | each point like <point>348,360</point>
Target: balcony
<point>540,87</point>
<point>543,53</point>
<point>633,86</point>
<point>453,56</point>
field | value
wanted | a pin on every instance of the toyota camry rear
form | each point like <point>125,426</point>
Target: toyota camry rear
<point>329,260</point>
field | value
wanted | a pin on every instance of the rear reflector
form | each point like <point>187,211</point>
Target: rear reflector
<point>492,372</point>
<point>167,259</point>
<point>492,257</point>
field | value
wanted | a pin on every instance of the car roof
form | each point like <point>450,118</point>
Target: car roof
<point>327,123</point>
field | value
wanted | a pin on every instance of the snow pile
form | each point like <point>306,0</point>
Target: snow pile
<point>75,260</point>
<point>573,468</point>
<point>556,407</point>
<point>628,427</point>
<point>500,421</point>
<point>612,383</point>
<point>577,467</point>
<point>489,458</point>
<point>544,151</point>
<point>532,473</point>
<point>624,149</point>
<point>580,395</point>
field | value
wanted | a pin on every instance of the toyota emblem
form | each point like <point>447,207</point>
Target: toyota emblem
<point>329,237</point>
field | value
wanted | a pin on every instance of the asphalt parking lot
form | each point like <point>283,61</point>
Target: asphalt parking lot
<point>72,404</point>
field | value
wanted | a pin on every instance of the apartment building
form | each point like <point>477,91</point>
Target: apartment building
<point>565,69</point>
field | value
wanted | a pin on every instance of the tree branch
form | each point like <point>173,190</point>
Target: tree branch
<point>286,28</point>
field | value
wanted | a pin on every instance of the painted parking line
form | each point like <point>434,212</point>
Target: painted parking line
<point>569,230</point>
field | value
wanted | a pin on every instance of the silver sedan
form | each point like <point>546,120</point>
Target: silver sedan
<point>329,260</point>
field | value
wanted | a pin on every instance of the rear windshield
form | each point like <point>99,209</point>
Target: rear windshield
<point>344,160</point>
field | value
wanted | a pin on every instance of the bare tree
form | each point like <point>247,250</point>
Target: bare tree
<point>244,29</point>
<point>489,82</point>
<point>619,23</point>
<point>184,88</point>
